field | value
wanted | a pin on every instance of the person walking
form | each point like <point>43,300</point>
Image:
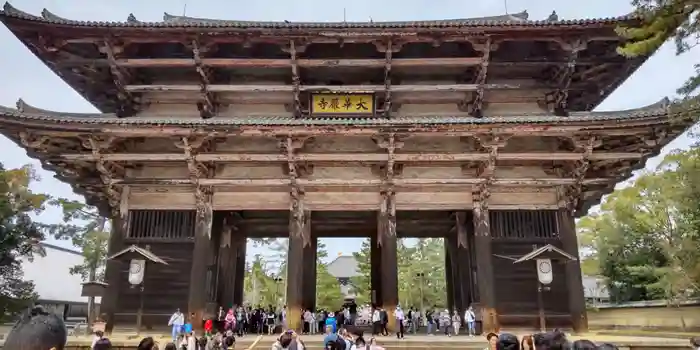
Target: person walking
<point>470,318</point>
<point>456,322</point>
<point>177,321</point>
<point>399,322</point>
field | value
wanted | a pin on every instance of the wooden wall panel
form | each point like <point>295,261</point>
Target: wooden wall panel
<point>251,201</point>
<point>356,201</point>
<point>433,200</point>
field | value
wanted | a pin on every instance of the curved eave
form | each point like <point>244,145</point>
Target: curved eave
<point>26,115</point>
<point>170,21</point>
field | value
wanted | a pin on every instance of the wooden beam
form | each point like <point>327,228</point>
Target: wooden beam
<point>349,157</point>
<point>537,182</point>
<point>310,63</point>
<point>322,88</point>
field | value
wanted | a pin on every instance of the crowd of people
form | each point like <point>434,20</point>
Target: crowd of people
<point>41,330</point>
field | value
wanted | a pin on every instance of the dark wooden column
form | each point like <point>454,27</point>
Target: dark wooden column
<point>484,260</point>
<point>227,258</point>
<point>449,277</point>
<point>200,257</point>
<point>462,261</point>
<point>310,258</point>
<point>113,275</point>
<point>577,302</point>
<point>239,282</point>
<point>375,269</point>
<point>389,260</point>
<point>456,270</point>
<point>298,241</point>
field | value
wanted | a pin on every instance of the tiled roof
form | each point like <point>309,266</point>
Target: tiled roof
<point>171,21</point>
<point>28,113</point>
<point>344,266</point>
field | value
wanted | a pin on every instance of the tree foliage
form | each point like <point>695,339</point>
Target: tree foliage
<point>644,239</point>
<point>661,20</point>
<point>19,236</point>
<point>86,229</point>
<point>421,271</point>
<point>261,286</point>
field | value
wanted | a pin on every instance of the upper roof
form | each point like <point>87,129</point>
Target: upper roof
<point>520,19</point>
<point>344,266</point>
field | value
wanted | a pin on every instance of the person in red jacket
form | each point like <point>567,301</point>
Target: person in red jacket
<point>208,327</point>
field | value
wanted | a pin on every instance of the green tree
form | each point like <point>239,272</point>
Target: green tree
<point>362,283</point>
<point>261,287</point>
<point>661,20</point>
<point>646,235</point>
<point>329,296</point>
<point>19,236</point>
<point>86,229</point>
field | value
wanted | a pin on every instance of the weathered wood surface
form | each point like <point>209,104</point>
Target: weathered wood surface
<point>323,88</point>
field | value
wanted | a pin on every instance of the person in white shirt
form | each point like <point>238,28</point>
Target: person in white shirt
<point>456,322</point>
<point>376,322</point>
<point>399,321</point>
<point>470,318</point>
<point>177,320</point>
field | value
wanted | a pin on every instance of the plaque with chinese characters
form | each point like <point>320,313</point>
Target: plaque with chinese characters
<point>342,104</point>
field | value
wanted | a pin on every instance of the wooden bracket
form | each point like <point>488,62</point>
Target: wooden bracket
<point>387,80</point>
<point>296,79</point>
<point>127,104</point>
<point>474,102</point>
<point>558,101</point>
<point>207,106</point>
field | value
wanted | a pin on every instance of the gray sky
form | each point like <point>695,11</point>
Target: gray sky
<point>26,77</point>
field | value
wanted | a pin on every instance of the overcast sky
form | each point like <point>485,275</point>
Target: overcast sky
<point>24,76</point>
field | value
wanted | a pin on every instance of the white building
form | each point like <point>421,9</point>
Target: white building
<point>58,290</point>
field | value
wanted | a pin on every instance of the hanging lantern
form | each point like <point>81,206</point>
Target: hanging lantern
<point>544,271</point>
<point>137,268</point>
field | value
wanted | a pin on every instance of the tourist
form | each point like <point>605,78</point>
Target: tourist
<point>526,343</point>
<point>385,321</point>
<point>507,341</point>
<point>695,343</point>
<point>98,335</point>
<point>188,327</point>
<point>492,338</point>
<point>430,321</point>
<point>170,346</point>
<point>308,319</point>
<point>456,322</point>
<point>416,320</point>
<point>607,346</point>
<point>220,316</point>
<point>229,320</point>
<point>445,321</point>
<point>37,330</point>
<point>148,344</point>
<point>470,318</point>
<point>329,337</point>
<point>288,340</point>
<point>583,344</point>
<point>555,340</point>
<point>271,316</point>
<point>376,322</point>
<point>332,322</point>
<point>399,322</point>
<point>177,321</point>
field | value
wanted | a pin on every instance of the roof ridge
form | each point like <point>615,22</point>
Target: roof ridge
<point>517,19</point>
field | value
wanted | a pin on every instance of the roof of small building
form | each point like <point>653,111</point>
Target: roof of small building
<point>520,19</point>
<point>343,266</point>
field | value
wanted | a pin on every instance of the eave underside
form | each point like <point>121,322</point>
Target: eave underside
<point>339,165</point>
<point>118,67</point>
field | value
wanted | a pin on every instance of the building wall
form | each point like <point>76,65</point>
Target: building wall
<point>51,275</point>
<point>653,315</point>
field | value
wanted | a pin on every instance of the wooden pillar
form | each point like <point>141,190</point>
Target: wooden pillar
<point>200,256</point>
<point>227,259</point>
<point>310,258</point>
<point>574,284</point>
<point>239,281</point>
<point>375,269</point>
<point>113,275</point>
<point>449,277</point>
<point>456,270</point>
<point>461,258</point>
<point>484,259</point>
<point>389,259</point>
<point>298,240</point>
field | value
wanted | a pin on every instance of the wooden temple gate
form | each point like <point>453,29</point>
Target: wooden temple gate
<point>479,131</point>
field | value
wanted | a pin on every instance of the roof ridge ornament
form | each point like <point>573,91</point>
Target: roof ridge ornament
<point>50,16</point>
<point>553,17</point>
<point>132,19</point>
